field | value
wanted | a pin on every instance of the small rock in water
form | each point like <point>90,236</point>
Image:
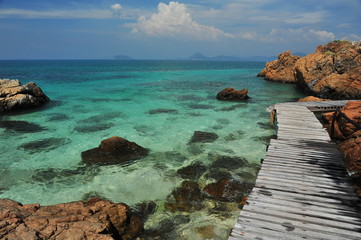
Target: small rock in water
<point>231,94</point>
<point>44,145</point>
<point>203,137</point>
<point>58,117</point>
<point>21,126</point>
<point>143,209</point>
<point>114,150</point>
<point>162,110</point>
<point>193,171</point>
<point>200,106</point>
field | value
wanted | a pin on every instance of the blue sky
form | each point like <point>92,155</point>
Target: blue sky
<point>148,29</point>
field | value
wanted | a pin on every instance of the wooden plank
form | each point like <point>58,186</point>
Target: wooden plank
<point>302,190</point>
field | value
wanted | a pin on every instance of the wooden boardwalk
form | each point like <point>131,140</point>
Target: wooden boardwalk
<point>303,190</point>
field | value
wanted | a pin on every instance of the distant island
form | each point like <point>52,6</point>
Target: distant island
<point>201,57</point>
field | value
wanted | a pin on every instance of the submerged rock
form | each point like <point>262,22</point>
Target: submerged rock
<point>14,96</point>
<point>44,145</point>
<point>203,137</point>
<point>227,189</point>
<point>114,150</point>
<point>232,94</point>
<point>162,110</point>
<point>228,162</point>
<point>21,126</point>
<point>94,219</point>
<point>281,70</point>
<point>185,198</point>
<point>193,171</point>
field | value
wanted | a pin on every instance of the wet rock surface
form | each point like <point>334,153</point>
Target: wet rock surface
<point>114,150</point>
<point>352,152</point>
<point>231,94</point>
<point>281,70</point>
<point>203,137</point>
<point>93,219</point>
<point>14,96</point>
<point>312,99</point>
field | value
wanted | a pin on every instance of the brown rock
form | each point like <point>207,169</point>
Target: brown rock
<point>312,99</point>
<point>280,70</point>
<point>231,94</point>
<point>352,153</point>
<point>332,71</point>
<point>114,150</point>
<point>227,189</point>
<point>339,127</point>
<point>95,219</point>
<point>14,96</point>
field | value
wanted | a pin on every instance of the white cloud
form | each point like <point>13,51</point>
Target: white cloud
<point>290,35</point>
<point>352,37</point>
<point>174,20</point>
<point>116,6</point>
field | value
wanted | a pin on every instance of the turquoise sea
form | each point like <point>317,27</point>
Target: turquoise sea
<point>157,104</point>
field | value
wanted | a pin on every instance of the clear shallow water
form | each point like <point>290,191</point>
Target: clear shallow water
<point>94,100</point>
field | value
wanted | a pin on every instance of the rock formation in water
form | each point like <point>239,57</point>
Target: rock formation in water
<point>333,71</point>
<point>114,150</point>
<point>280,70</point>
<point>94,219</point>
<point>231,94</point>
<point>14,96</point>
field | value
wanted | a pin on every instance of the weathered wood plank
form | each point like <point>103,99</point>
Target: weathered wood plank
<point>302,190</point>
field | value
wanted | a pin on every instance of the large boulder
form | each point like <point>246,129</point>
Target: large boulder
<point>114,150</point>
<point>95,219</point>
<point>282,69</point>
<point>14,96</point>
<point>231,94</point>
<point>340,127</point>
<point>332,71</point>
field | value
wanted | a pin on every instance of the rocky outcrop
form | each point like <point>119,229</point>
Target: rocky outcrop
<point>312,99</point>
<point>332,71</point>
<point>231,94</point>
<point>14,96</point>
<point>339,126</point>
<point>280,70</point>
<point>352,152</point>
<point>95,219</point>
<point>114,150</point>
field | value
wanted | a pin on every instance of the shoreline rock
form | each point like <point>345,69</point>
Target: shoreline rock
<point>333,71</point>
<point>114,150</point>
<point>280,70</point>
<point>14,96</point>
<point>231,94</point>
<point>94,219</point>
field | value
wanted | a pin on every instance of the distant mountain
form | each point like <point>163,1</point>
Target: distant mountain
<point>200,56</point>
<point>122,57</point>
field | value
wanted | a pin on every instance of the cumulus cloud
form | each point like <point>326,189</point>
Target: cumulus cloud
<point>352,37</point>
<point>174,20</point>
<point>290,35</point>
